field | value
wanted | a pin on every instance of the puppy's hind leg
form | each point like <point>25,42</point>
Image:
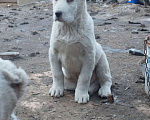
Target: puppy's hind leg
<point>93,87</point>
<point>104,76</point>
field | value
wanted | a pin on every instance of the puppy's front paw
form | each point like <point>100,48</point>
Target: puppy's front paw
<point>104,91</point>
<point>81,97</point>
<point>14,117</point>
<point>56,91</point>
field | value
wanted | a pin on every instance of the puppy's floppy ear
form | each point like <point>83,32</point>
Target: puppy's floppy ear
<point>10,78</point>
<point>7,76</point>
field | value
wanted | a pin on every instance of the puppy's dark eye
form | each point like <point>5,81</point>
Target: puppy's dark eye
<point>69,1</point>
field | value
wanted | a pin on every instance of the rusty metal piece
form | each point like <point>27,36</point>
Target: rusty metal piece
<point>147,40</point>
<point>110,98</point>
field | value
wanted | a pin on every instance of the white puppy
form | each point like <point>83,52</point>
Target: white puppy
<point>77,60</point>
<point>13,83</point>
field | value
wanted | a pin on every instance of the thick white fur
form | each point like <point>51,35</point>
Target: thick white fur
<point>74,54</point>
<point>13,83</point>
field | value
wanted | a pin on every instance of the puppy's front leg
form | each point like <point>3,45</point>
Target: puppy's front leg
<point>81,91</point>
<point>58,80</point>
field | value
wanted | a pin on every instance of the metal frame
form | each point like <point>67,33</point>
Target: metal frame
<point>147,68</point>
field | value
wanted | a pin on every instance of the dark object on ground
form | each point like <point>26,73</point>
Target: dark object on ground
<point>145,2</point>
<point>136,52</point>
<point>130,22</point>
<point>140,81</point>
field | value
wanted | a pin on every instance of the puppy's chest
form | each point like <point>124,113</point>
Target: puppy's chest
<point>70,53</point>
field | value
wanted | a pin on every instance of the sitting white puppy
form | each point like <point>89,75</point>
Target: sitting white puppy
<point>77,60</point>
<point>13,83</point>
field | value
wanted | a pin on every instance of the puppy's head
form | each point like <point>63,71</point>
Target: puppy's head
<point>67,10</point>
<point>18,80</point>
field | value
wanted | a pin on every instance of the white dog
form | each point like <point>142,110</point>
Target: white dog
<point>13,83</point>
<point>77,60</point>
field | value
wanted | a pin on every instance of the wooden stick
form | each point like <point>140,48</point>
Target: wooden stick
<point>11,54</point>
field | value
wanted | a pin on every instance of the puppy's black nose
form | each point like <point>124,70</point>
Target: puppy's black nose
<point>58,14</point>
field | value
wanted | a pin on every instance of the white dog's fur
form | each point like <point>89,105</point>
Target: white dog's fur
<point>77,60</point>
<point>13,83</point>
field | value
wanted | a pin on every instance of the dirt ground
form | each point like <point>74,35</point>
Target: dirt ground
<point>118,28</point>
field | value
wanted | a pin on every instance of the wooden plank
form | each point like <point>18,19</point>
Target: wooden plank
<point>4,1</point>
<point>20,2</point>
<point>24,2</point>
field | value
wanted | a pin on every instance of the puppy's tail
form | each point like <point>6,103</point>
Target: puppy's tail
<point>18,80</point>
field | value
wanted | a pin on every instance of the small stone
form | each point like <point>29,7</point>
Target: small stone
<point>11,26</point>
<point>41,18</point>
<point>134,32</point>
<point>142,25</point>
<point>93,117</point>
<point>13,9</point>
<point>24,23</point>
<point>37,53</point>
<point>142,29</point>
<point>34,33</point>
<point>32,55</point>
<point>97,36</point>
